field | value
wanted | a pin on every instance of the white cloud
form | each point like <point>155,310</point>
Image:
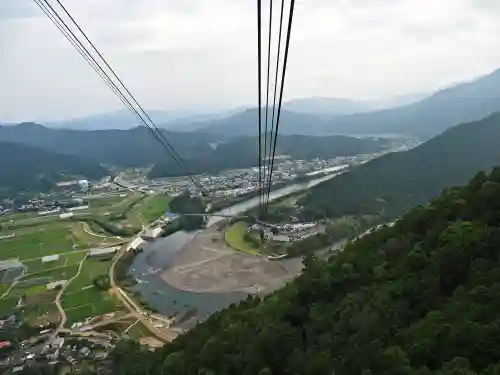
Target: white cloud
<point>202,53</point>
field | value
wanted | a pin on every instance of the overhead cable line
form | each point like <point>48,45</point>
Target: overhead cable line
<point>54,16</point>
<point>259,89</point>
<point>278,54</point>
<point>283,75</point>
<point>266,155</point>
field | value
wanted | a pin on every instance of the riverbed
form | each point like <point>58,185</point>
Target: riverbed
<point>187,276</point>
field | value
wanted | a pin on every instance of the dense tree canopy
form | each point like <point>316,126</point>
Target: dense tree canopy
<point>420,297</point>
<point>27,168</point>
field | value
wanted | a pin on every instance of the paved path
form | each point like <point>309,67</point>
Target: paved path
<point>134,308</point>
<point>58,301</point>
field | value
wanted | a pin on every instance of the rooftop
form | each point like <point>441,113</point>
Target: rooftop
<point>50,258</point>
<point>103,251</point>
<point>9,264</point>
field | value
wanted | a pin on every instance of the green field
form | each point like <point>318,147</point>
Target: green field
<point>154,207</point>
<point>36,311</point>
<point>7,304</point>
<point>81,299</point>
<point>37,242</point>
<point>235,238</point>
<point>90,270</point>
<point>100,307</point>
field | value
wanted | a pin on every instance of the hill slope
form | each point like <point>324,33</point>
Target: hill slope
<point>245,123</point>
<point>133,147</point>
<point>397,181</point>
<point>457,104</point>
<point>460,103</point>
<point>29,168</point>
<point>420,297</point>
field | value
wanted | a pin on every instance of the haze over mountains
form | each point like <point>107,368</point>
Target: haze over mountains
<point>467,101</point>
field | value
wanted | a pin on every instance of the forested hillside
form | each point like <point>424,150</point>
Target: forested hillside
<point>26,168</point>
<point>134,147</point>
<point>420,297</point>
<point>395,182</point>
<point>243,152</point>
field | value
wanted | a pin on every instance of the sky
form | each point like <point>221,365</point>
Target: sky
<point>202,54</point>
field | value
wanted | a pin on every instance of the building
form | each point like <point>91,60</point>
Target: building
<point>83,184</point>
<point>55,284</point>
<point>66,215</point>
<point>138,241</point>
<point>102,253</point>
<point>281,238</point>
<point>151,234</point>
<point>10,269</point>
<point>50,258</point>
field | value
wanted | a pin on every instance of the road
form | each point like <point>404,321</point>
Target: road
<point>139,313</point>
<point>64,318</point>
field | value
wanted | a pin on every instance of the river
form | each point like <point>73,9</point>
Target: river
<point>159,254</point>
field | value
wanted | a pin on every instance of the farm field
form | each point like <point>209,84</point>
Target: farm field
<point>70,240</point>
<point>235,237</point>
<point>82,299</point>
<point>153,207</point>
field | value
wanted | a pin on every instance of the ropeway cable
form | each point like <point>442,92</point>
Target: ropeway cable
<point>283,75</point>
<point>259,89</point>
<point>83,51</point>
<point>278,54</point>
<point>266,155</point>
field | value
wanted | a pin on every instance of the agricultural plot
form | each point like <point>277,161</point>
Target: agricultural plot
<point>235,237</point>
<point>82,299</point>
<point>44,312</point>
<point>7,304</point>
<point>90,270</point>
<point>100,307</point>
<point>52,274</point>
<point>152,207</point>
<point>37,242</point>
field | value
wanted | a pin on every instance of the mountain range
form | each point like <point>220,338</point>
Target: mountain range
<point>408,115</point>
<point>460,103</point>
<point>200,152</point>
<point>27,168</point>
<point>135,147</point>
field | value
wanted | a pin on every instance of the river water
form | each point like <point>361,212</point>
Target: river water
<point>159,254</point>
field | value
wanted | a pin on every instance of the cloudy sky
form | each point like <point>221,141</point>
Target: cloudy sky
<point>201,54</point>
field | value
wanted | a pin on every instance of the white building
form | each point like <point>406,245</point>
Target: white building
<point>50,258</point>
<point>83,184</point>
<point>102,252</point>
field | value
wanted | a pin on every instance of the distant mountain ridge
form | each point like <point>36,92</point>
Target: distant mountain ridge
<point>326,106</point>
<point>27,168</point>
<point>138,148</point>
<point>133,147</point>
<point>468,101</point>
<point>124,120</point>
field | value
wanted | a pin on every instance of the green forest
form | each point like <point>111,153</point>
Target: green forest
<point>26,168</point>
<point>419,297</point>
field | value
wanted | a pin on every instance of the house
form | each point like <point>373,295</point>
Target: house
<point>50,258</point>
<point>10,269</point>
<point>104,252</point>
